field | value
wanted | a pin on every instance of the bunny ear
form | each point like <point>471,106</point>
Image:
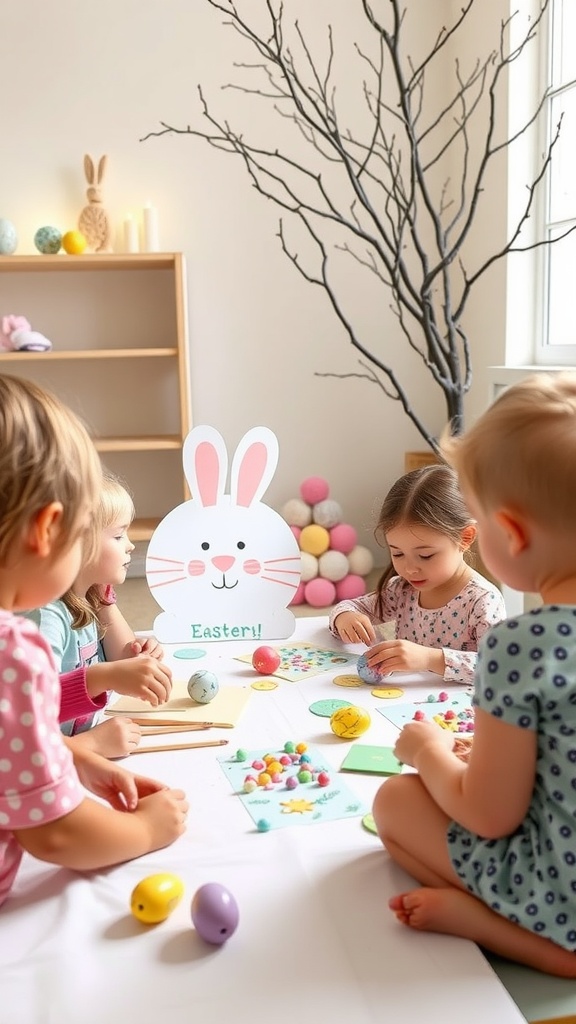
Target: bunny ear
<point>101,169</point>
<point>205,465</point>
<point>89,169</point>
<point>253,466</point>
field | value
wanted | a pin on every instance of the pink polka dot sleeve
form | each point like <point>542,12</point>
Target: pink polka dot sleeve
<point>38,780</point>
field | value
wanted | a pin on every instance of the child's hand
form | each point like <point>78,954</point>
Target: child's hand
<point>144,677</point>
<point>417,735</point>
<point>119,788</point>
<point>165,815</point>
<point>149,645</point>
<point>354,628</point>
<point>116,737</point>
<point>405,656</point>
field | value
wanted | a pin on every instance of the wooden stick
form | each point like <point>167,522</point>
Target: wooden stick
<point>179,746</point>
<point>172,721</point>
<point>161,730</point>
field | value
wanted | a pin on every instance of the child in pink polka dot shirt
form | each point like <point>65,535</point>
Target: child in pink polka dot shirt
<point>49,482</point>
<point>440,606</point>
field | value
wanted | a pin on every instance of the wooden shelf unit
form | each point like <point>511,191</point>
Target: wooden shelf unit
<point>118,326</point>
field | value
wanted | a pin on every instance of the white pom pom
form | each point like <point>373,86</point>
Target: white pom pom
<point>309,569</point>
<point>327,513</point>
<point>297,513</point>
<point>361,561</point>
<point>333,565</point>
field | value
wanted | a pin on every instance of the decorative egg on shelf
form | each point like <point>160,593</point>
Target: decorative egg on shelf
<point>74,243</point>
<point>8,237</point>
<point>48,240</point>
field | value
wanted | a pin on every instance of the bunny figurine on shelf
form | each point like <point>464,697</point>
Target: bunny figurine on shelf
<point>224,566</point>
<point>94,222</point>
<point>16,335</point>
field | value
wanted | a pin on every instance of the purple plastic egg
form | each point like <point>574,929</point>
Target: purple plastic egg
<point>214,912</point>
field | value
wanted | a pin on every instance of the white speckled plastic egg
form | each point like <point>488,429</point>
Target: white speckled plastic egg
<point>203,686</point>
<point>8,237</point>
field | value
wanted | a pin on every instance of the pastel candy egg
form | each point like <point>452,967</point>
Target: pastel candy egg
<point>203,686</point>
<point>214,913</point>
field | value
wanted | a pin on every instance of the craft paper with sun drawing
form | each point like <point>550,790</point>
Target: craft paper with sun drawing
<point>224,566</point>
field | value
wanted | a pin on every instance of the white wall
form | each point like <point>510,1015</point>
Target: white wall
<point>94,77</point>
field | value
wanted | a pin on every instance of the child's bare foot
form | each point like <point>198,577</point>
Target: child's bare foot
<point>454,912</point>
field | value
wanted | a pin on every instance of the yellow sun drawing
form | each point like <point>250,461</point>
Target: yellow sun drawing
<point>296,806</point>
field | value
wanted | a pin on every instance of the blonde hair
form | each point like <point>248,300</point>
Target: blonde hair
<point>521,453</point>
<point>115,505</point>
<point>46,456</point>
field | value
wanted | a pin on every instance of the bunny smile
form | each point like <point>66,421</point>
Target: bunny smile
<point>224,585</point>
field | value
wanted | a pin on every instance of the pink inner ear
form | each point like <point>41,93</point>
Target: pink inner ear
<point>251,472</point>
<point>207,472</point>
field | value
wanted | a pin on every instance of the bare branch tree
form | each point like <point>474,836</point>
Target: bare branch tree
<point>371,193</point>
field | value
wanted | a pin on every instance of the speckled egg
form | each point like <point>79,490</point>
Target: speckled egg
<point>8,237</point>
<point>367,674</point>
<point>48,240</point>
<point>203,686</point>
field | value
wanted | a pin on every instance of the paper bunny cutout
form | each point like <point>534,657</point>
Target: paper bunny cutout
<point>224,566</point>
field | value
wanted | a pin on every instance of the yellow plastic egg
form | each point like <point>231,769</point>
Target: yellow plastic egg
<point>74,242</point>
<point>155,897</point>
<point>350,722</point>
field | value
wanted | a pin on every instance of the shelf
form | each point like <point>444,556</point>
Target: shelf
<point>89,261</point>
<point>137,444</point>
<point>92,353</point>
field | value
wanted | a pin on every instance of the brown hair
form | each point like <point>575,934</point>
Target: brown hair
<point>46,455</point>
<point>429,496</point>
<point>115,503</point>
<point>521,453</point>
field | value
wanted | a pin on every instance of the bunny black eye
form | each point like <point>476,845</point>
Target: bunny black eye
<point>205,545</point>
<point>241,545</point>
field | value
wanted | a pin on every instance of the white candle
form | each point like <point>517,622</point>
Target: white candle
<point>130,234</point>
<point>151,243</point>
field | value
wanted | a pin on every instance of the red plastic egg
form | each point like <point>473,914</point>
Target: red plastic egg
<point>265,660</point>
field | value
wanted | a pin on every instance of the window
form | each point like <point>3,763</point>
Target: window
<point>557,343</point>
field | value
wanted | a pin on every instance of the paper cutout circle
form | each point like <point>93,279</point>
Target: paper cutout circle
<point>369,824</point>
<point>347,680</point>
<point>326,708</point>
<point>388,693</point>
<point>264,684</point>
<point>189,653</point>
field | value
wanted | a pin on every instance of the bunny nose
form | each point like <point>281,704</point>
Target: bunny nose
<point>223,562</point>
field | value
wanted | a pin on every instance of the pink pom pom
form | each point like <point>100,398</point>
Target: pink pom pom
<point>296,530</point>
<point>350,587</point>
<point>319,592</point>
<point>299,595</point>
<point>343,538</point>
<point>314,489</point>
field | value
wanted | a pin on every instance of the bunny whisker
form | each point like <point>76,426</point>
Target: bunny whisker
<point>162,572</point>
<point>165,583</point>
<point>287,558</point>
<point>172,561</point>
<point>283,583</point>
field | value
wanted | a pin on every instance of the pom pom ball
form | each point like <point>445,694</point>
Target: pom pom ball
<point>297,513</point>
<point>327,513</point>
<point>360,561</point>
<point>350,587</point>
<point>333,565</point>
<point>314,540</point>
<point>343,537</point>
<point>314,489</point>
<point>319,593</point>
<point>309,564</point>
<point>296,530</point>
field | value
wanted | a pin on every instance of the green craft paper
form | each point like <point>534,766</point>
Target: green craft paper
<point>377,760</point>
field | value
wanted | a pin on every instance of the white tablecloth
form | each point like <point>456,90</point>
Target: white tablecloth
<point>315,939</point>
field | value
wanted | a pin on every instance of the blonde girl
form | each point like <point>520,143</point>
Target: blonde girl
<point>440,606</point>
<point>494,840</point>
<point>49,481</point>
<point>95,649</point>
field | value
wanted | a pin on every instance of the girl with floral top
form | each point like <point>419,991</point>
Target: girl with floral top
<point>440,605</point>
